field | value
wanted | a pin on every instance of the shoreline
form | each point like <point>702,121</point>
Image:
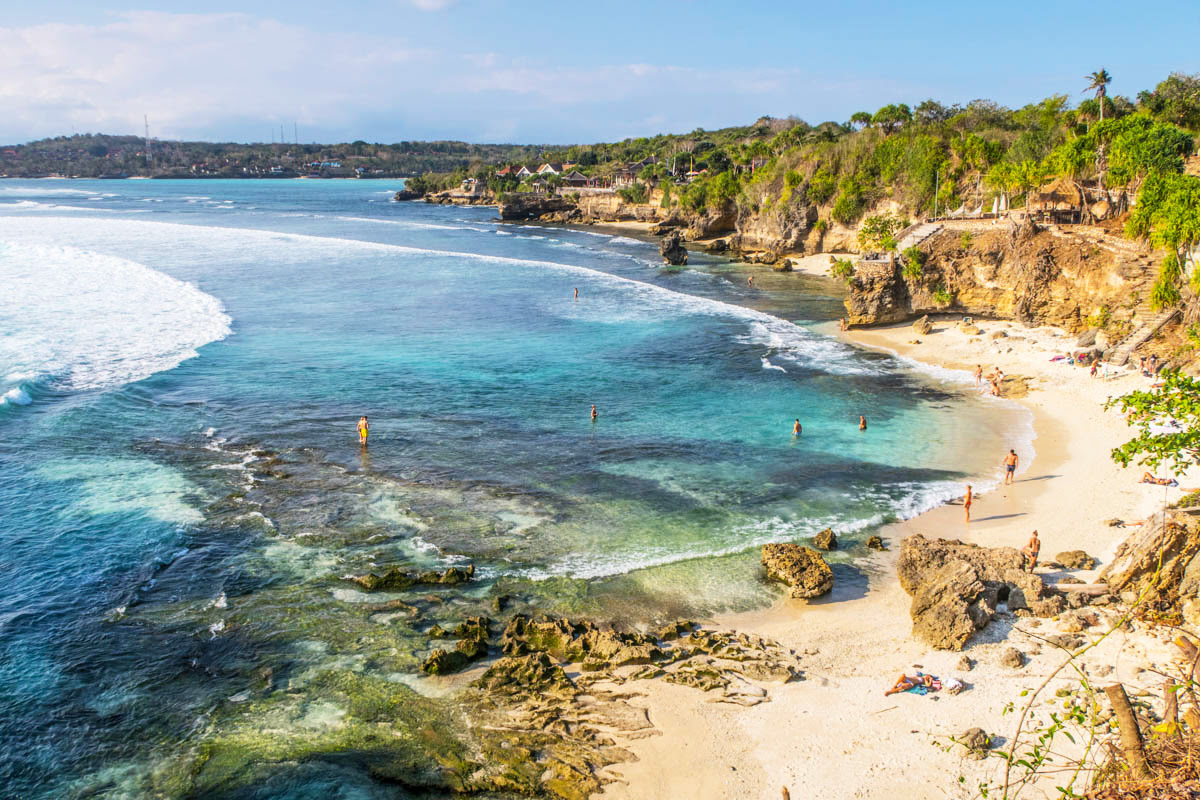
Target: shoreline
<point>835,734</point>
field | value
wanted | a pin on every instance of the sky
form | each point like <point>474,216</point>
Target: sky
<point>549,72</point>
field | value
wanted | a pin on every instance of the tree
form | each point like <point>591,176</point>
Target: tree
<point>891,117</point>
<point>1177,399</point>
<point>1168,216</point>
<point>861,118</point>
<point>1099,80</point>
<point>1028,176</point>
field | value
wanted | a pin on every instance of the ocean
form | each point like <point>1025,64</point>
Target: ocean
<point>182,366</point>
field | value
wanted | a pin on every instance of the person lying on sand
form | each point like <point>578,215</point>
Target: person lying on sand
<point>1148,478</point>
<point>905,682</point>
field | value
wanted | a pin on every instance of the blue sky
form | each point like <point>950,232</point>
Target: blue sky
<point>542,72</point>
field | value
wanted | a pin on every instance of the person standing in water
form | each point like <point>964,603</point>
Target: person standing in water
<point>967,498</point>
<point>594,414</point>
<point>576,292</point>
<point>796,429</point>
<point>862,422</point>
<point>978,374</point>
<point>364,429</point>
<point>1010,467</point>
<point>750,281</point>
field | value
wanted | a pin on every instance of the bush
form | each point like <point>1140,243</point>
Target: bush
<point>821,186</point>
<point>638,193</point>
<point>821,225</point>
<point>842,268</point>
<point>942,296</point>
<point>965,240</point>
<point>1100,318</point>
<point>878,232</point>
<point>914,262</point>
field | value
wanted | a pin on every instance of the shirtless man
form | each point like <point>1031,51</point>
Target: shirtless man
<point>594,414</point>
<point>796,429</point>
<point>978,374</point>
<point>862,422</point>
<point>1010,467</point>
<point>576,293</point>
<point>364,430</point>
<point>967,499</point>
<point>750,281</point>
<point>1030,552</point>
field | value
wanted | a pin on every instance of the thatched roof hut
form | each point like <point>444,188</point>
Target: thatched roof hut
<point>1058,195</point>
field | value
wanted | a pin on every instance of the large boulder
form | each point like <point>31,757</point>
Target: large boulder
<point>920,557</point>
<point>956,588</point>
<point>946,610</point>
<point>672,250</point>
<point>826,540</point>
<point>1135,567</point>
<point>527,205</point>
<point>1075,559</point>
<point>801,568</point>
<point>922,326</point>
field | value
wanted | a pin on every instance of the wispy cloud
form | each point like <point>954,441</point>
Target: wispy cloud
<point>432,5</point>
<point>234,75</point>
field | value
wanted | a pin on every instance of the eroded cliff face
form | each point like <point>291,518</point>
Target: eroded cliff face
<point>781,229</point>
<point>1032,275</point>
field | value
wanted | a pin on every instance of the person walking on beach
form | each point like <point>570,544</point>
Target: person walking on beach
<point>594,414</point>
<point>1029,553</point>
<point>862,422</point>
<point>978,374</point>
<point>967,498</point>
<point>1010,467</point>
<point>796,429</point>
<point>364,429</point>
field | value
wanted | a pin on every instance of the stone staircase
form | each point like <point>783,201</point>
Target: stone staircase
<point>1150,322</point>
<point>913,235</point>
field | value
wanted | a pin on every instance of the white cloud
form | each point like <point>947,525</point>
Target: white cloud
<point>432,5</point>
<point>235,76</point>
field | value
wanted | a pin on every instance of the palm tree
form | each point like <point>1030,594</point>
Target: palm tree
<point>1100,79</point>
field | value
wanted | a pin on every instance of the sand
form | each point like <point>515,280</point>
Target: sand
<point>835,734</point>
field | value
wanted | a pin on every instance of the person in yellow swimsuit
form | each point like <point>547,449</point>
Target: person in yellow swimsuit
<point>364,430</point>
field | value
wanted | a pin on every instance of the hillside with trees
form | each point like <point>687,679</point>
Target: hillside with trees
<point>96,155</point>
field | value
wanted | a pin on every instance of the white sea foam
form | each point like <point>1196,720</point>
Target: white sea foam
<point>81,320</point>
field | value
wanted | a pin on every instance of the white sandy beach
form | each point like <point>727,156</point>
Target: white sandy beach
<point>835,734</point>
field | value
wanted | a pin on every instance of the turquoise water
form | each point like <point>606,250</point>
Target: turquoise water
<point>182,365</point>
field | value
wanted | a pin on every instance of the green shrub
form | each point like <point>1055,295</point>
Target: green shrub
<point>842,268</point>
<point>821,186</point>
<point>878,232</point>
<point>914,262</point>
<point>821,225</point>
<point>638,193</point>
<point>1100,318</point>
<point>965,240</point>
<point>942,296</point>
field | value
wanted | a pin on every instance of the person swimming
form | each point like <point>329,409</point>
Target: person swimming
<point>862,422</point>
<point>364,430</point>
<point>797,429</point>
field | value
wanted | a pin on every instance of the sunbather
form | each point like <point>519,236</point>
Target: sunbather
<point>905,682</point>
<point>1148,478</point>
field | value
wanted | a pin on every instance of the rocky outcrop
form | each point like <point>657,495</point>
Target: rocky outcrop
<point>1075,559</point>
<point>826,540</point>
<point>472,646</point>
<point>406,194</point>
<point>396,579</point>
<point>1158,563</point>
<point>1021,272</point>
<point>672,250</point>
<point>957,588</point>
<point>527,206</point>
<point>801,568</point>
<point>778,228</point>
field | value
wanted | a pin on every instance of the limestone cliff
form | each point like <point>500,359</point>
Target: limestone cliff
<point>1038,276</point>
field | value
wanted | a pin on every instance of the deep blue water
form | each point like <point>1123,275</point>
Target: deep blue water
<point>163,343</point>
